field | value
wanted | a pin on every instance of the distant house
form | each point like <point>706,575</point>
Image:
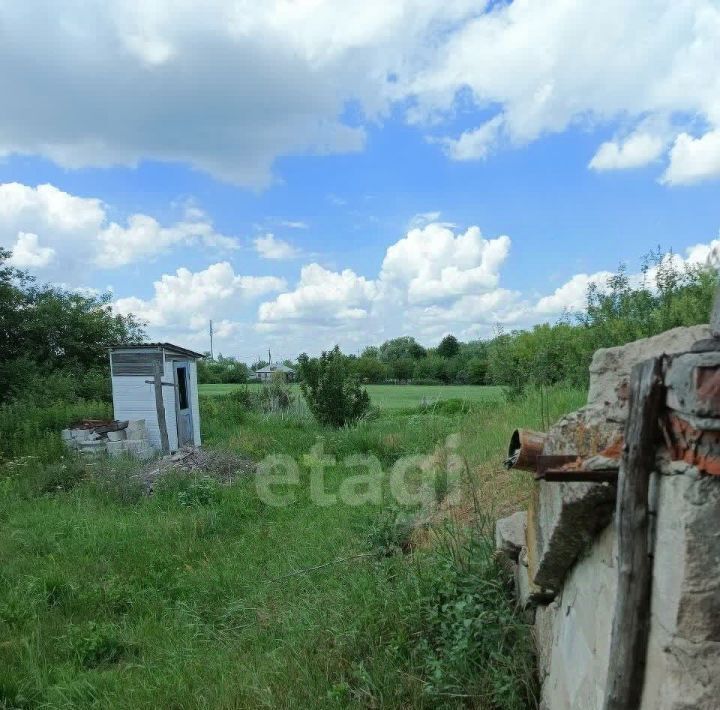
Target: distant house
<point>265,374</point>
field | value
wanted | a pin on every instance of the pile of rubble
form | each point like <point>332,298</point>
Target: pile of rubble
<point>92,437</point>
<point>222,465</point>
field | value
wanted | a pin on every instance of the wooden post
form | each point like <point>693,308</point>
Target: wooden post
<point>160,406</point>
<point>628,643</point>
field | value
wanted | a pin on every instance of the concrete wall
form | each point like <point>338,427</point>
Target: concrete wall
<point>565,563</point>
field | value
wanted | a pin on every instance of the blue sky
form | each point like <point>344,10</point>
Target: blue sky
<point>303,180</point>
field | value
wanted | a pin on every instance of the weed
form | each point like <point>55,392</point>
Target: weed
<point>198,492</point>
<point>94,644</point>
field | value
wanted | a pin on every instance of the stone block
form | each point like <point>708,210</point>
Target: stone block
<point>581,623</point>
<point>510,534</point>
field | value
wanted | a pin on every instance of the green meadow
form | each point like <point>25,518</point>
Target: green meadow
<point>203,596</point>
<point>395,396</point>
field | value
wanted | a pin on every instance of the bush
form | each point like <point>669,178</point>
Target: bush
<point>276,395</point>
<point>333,393</point>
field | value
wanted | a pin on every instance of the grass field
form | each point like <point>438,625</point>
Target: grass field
<point>396,396</point>
<point>203,596</point>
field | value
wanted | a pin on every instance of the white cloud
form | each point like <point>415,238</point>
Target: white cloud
<point>189,299</point>
<point>228,86</point>
<point>28,253</point>
<point>428,279</point>
<point>321,296</point>
<point>571,296</point>
<point>225,86</point>
<point>635,151</point>
<point>694,159</point>
<point>293,224</point>
<point>432,281</point>
<point>704,253</point>
<point>477,143</point>
<point>543,67</point>
<point>432,263</point>
<point>270,247</point>
<point>423,218</point>
<point>76,233</point>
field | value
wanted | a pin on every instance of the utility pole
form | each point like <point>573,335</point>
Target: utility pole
<point>269,358</point>
<point>212,356</point>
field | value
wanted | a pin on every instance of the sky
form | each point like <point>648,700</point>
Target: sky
<point>313,172</point>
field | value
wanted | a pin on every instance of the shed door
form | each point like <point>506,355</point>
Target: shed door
<point>182,403</point>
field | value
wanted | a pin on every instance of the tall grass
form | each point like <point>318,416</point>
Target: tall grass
<point>31,429</point>
<point>198,598</point>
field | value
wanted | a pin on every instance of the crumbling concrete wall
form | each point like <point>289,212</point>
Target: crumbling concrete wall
<point>566,570</point>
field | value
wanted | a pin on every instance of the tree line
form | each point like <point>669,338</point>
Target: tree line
<point>53,341</point>
<point>666,294</point>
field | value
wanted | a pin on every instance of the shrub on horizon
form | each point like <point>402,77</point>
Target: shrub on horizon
<point>333,393</point>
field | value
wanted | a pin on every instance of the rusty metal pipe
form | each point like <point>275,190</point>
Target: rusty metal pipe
<point>525,448</point>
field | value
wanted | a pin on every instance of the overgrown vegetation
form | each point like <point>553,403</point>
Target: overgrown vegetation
<point>222,370</point>
<point>53,342</point>
<point>201,596</point>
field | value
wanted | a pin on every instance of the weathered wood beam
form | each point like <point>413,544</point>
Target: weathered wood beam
<point>160,407</point>
<point>628,643</point>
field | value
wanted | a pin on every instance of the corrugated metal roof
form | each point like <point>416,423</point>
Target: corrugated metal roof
<point>165,346</point>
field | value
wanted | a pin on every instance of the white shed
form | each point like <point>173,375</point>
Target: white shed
<point>137,394</point>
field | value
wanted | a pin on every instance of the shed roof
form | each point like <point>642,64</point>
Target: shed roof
<point>275,368</point>
<point>156,346</point>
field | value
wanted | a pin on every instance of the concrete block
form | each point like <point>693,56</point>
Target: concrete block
<point>139,448</point>
<point>544,635</point>
<point>116,436</point>
<point>510,534</point>
<point>116,448</point>
<point>563,520</point>
<point>581,623</point>
<point>684,642</point>
<point>610,367</point>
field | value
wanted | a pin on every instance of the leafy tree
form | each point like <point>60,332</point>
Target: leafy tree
<point>401,348</point>
<point>331,390</point>
<point>476,370</point>
<point>223,370</point>
<point>402,369</point>
<point>449,347</point>
<point>369,369</point>
<point>52,339</point>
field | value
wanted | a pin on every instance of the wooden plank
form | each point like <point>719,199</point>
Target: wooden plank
<point>628,642</point>
<point>160,407</point>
